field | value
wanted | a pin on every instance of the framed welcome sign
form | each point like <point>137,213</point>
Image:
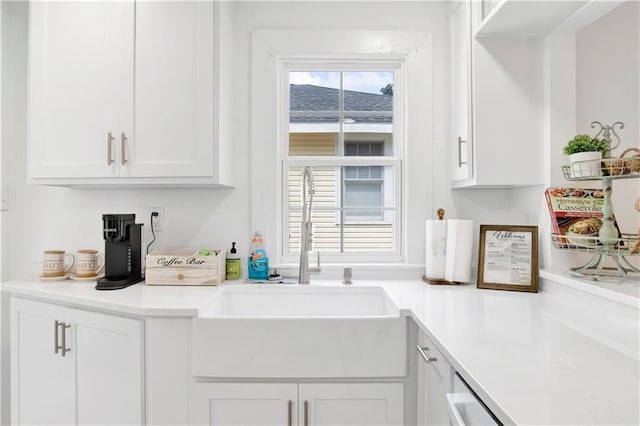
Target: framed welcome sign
<point>508,258</point>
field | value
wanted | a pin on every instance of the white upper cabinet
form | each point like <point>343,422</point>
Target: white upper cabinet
<point>461,94</point>
<point>174,83</point>
<point>497,95</point>
<point>80,86</point>
<point>498,74</point>
<point>124,93</point>
<point>535,18</point>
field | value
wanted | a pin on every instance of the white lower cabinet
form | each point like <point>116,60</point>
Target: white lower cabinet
<point>70,366</point>
<point>307,404</point>
<point>350,404</point>
<point>434,382</point>
<point>244,403</point>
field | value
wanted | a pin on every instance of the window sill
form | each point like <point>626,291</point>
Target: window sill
<point>365,271</point>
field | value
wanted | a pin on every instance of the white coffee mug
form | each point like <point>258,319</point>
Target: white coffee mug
<point>89,263</point>
<point>53,263</point>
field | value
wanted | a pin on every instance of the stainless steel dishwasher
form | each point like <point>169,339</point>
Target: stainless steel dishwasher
<point>465,408</point>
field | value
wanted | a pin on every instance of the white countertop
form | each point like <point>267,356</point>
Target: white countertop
<point>560,356</point>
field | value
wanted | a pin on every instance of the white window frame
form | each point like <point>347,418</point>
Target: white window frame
<point>297,64</point>
<point>417,49</point>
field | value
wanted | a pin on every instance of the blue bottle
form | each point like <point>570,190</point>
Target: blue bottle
<point>258,261</point>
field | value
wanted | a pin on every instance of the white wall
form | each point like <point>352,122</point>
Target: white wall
<point>595,76</point>
<point>1,316</point>
<point>44,217</point>
<point>47,217</point>
<point>608,90</point>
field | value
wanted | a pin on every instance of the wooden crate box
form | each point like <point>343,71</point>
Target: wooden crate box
<point>184,267</point>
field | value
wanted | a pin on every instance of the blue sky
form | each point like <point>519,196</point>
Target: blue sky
<point>360,81</point>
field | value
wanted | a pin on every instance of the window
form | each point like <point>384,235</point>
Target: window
<point>343,122</point>
<point>363,185</point>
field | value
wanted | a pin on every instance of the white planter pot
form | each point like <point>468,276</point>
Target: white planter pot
<point>585,164</point>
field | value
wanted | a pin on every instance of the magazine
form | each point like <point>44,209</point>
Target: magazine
<point>577,213</point>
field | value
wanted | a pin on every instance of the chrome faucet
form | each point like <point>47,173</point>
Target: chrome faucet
<point>306,227</point>
<point>347,275</point>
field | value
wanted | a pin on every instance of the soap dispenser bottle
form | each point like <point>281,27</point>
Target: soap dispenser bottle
<point>233,263</point>
<point>258,260</point>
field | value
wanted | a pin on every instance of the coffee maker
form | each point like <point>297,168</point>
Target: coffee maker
<point>123,252</point>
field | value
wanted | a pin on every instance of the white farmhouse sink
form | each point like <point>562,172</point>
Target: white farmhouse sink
<point>260,331</point>
<point>299,301</point>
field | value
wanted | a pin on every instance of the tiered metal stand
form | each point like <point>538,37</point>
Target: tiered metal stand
<point>609,244</point>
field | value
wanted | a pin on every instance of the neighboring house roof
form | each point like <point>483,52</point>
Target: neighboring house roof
<point>307,98</point>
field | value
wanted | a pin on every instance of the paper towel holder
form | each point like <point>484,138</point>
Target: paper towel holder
<point>439,281</point>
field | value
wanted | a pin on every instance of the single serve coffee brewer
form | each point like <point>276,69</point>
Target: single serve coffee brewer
<point>123,252</point>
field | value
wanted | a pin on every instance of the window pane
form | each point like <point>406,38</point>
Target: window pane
<point>343,114</point>
<point>359,194</point>
<point>375,172</point>
<point>365,144</point>
<point>379,132</point>
<point>363,91</point>
<point>313,143</point>
<point>314,91</point>
<point>351,172</point>
<point>361,213</point>
<point>314,113</point>
<point>350,149</point>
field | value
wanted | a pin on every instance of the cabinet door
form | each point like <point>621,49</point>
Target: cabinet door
<point>109,369</point>
<point>350,404</point>
<point>42,380</point>
<point>434,382</point>
<point>174,91</point>
<point>462,139</point>
<point>80,86</point>
<point>97,381</point>
<point>246,404</point>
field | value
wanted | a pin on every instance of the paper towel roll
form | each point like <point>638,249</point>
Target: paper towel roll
<point>459,248</point>
<point>436,241</point>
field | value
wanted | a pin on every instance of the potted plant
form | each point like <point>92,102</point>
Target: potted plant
<point>585,154</point>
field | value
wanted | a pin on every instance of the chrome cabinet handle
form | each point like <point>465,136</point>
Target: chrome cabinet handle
<point>109,148</point>
<point>460,142</point>
<point>56,346</point>
<point>426,358</point>
<point>64,338</point>
<point>290,413</point>
<point>306,413</point>
<point>123,148</point>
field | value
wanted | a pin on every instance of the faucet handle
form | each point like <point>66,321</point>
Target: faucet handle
<point>346,275</point>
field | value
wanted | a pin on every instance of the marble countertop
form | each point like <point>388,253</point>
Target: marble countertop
<point>561,356</point>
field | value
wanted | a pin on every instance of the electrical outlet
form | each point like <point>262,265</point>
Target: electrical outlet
<point>158,221</point>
